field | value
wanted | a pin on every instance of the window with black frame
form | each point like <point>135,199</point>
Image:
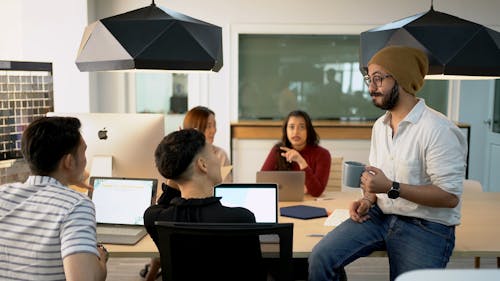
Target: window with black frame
<point>315,73</point>
<point>161,92</point>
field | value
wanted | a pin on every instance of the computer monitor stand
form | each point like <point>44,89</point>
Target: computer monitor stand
<point>102,166</point>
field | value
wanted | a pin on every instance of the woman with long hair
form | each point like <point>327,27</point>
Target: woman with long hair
<point>299,150</point>
<point>203,119</point>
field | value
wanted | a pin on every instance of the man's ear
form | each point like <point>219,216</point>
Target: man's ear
<point>202,164</point>
<point>67,161</point>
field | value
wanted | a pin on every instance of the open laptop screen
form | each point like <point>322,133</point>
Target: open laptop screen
<point>122,200</point>
<point>260,198</point>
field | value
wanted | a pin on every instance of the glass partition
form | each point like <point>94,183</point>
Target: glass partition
<point>316,73</point>
<point>163,92</point>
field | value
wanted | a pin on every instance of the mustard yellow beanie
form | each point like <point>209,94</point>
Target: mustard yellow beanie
<point>407,65</point>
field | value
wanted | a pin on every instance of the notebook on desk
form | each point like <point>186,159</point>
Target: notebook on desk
<point>303,212</point>
<point>260,198</point>
<point>290,183</point>
<point>120,204</point>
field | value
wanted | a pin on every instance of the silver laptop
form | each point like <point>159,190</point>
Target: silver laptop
<point>120,204</point>
<point>290,183</point>
<point>260,198</point>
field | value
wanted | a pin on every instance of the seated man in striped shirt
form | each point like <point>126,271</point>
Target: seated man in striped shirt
<point>48,230</point>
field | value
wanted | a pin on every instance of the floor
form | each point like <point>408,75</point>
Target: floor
<point>373,269</point>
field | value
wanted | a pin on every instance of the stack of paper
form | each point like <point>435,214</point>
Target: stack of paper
<point>337,217</point>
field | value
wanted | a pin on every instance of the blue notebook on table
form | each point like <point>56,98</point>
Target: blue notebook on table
<point>303,212</point>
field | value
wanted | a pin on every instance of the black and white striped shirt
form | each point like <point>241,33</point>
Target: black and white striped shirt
<point>41,222</point>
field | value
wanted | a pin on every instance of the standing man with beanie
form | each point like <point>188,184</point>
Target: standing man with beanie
<point>413,186</point>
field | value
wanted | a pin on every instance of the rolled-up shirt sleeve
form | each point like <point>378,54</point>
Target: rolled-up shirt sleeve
<point>446,159</point>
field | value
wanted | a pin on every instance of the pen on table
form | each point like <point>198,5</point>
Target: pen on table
<point>315,235</point>
<point>324,198</point>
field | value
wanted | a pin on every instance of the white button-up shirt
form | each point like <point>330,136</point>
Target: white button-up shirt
<point>427,149</point>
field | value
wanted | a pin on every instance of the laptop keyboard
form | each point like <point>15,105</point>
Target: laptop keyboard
<point>107,230</point>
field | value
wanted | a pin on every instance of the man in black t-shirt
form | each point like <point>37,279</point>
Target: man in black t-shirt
<point>192,169</point>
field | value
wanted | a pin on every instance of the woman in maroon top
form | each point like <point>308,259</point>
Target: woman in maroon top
<point>298,150</point>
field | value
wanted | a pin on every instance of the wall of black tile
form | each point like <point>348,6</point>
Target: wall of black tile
<point>26,93</point>
<point>24,97</point>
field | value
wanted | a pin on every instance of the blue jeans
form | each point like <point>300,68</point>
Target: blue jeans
<point>411,243</point>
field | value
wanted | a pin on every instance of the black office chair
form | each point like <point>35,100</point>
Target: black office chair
<point>225,251</point>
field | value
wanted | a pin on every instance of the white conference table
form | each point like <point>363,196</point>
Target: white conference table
<point>477,236</point>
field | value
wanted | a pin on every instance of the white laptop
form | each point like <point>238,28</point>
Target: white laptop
<point>260,198</point>
<point>290,183</point>
<point>120,204</point>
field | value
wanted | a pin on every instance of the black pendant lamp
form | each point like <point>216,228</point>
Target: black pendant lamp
<point>150,38</point>
<point>454,46</point>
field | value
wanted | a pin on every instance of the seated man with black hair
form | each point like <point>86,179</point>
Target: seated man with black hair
<point>193,169</point>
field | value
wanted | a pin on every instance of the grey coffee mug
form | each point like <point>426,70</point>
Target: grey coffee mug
<point>352,173</point>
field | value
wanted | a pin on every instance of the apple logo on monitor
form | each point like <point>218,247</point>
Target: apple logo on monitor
<point>103,134</point>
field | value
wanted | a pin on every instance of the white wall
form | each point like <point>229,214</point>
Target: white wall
<point>474,110</point>
<point>10,11</point>
<point>48,31</point>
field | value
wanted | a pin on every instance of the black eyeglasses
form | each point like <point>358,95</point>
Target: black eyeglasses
<point>376,79</point>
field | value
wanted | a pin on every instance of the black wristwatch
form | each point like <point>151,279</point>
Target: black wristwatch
<point>393,193</point>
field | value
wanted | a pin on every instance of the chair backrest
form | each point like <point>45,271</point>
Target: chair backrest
<point>472,186</point>
<point>221,251</point>
<point>335,178</point>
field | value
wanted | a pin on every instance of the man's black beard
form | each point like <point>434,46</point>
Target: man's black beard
<point>389,102</point>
